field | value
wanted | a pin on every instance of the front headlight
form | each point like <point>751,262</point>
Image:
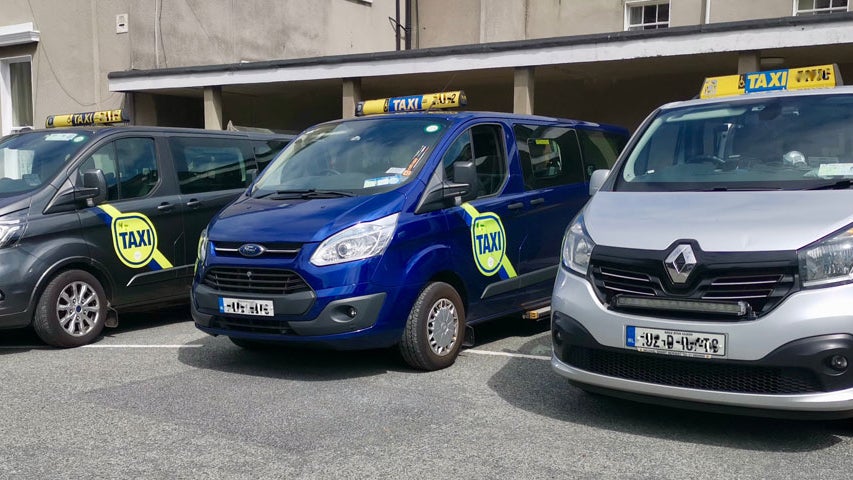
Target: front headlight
<point>577,246</point>
<point>202,246</point>
<point>356,242</point>
<point>10,231</point>
<point>829,261</point>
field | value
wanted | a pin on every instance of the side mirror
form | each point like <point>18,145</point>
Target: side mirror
<point>597,180</point>
<point>465,173</point>
<point>94,189</point>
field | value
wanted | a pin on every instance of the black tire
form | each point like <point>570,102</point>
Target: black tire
<point>249,344</point>
<point>423,347</point>
<point>71,310</point>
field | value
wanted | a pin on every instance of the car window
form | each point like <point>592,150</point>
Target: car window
<point>483,145</point>
<point>266,150</point>
<point>600,149</point>
<point>129,166</point>
<point>211,164</point>
<point>549,156</point>
<point>28,160</point>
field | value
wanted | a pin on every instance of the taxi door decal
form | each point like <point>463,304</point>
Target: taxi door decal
<point>134,238</point>
<point>488,242</point>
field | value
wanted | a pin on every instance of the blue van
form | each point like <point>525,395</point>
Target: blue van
<point>399,229</point>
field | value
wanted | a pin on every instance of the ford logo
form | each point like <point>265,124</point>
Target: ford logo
<point>251,250</point>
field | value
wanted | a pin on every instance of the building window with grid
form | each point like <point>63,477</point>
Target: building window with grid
<point>815,7</point>
<point>646,15</point>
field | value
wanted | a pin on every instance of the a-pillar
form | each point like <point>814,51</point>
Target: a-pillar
<point>523,90</point>
<point>213,108</point>
<point>351,95</point>
<point>749,62</point>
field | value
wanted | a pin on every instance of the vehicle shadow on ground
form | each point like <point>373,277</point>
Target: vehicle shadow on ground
<point>290,363</point>
<point>20,340</point>
<point>531,385</point>
<point>133,321</point>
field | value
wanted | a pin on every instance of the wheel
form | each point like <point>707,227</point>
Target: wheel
<point>249,344</point>
<point>435,328</point>
<point>72,310</point>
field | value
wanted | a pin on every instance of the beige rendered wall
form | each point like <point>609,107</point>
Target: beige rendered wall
<point>733,10</point>
<point>176,33</point>
<point>78,46</point>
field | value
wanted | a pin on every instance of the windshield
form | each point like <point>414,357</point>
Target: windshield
<point>356,157</point>
<point>777,143</point>
<point>28,160</point>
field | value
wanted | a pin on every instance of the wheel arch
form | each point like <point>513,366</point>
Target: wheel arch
<point>86,264</point>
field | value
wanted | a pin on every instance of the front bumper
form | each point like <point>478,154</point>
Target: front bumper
<point>776,365</point>
<point>18,280</point>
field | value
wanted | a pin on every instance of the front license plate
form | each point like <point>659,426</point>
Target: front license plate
<point>242,306</point>
<point>677,342</point>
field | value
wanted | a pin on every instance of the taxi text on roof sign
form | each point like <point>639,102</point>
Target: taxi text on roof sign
<point>103,117</point>
<point>414,103</point>
<point>820,76</point>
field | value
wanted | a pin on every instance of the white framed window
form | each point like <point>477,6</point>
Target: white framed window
<point>646,15</point>
<point>816,7</point>
<point>16,94</point>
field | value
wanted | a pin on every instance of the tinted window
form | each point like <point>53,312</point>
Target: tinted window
<point>600,149</point>
<point>129,166</point>
<point>549,156</point>
<point>211,164</point>
<point>484,146</point>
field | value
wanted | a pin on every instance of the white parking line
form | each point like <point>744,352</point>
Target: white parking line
<point>507,354</point>
<point>143,346</point>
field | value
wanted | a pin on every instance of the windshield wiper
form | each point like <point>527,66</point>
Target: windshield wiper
<point>305,193</point>
<point>741,189</point>
<point>839,185</point>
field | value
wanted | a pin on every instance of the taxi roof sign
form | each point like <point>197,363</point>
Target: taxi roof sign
<point>819,76</point>
<point>413,103</point>
<point>102,117</point>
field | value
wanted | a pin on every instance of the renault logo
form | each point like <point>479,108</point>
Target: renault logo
<point>251,250</point>
<point>680,263</point>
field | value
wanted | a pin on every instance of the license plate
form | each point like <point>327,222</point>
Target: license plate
<point>242,306</point>
<point>676,342</point>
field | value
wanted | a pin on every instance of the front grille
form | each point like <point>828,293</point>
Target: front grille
<point>254,325</point>
<point>762,289</point>
<point>272,249</point>
<point>702,375</point>
<point>265,281</point>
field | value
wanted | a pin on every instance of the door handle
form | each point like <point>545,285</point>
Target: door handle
<point>537,201</point>
<point>192,203</point>
<point>165,207</point>
<point>515,206</point>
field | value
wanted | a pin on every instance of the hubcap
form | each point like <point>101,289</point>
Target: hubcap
<point>78,309</point>
<point>441,327</point>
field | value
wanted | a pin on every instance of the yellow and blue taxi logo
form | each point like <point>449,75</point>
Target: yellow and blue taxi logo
<point>820,76</point>
<point>412,103</point>
<point>488,242</point>
<point>102,117</point>
<point>134,238</point>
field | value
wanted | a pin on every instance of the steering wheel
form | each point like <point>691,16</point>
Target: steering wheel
<point>707,159</point>
<point>329,171</point>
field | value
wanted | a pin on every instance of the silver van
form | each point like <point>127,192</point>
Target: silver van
<point>713,268</point>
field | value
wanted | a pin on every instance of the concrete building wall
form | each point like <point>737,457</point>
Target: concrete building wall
<point>78,46</point>
<point>175,33</point>
<point>732,10</point>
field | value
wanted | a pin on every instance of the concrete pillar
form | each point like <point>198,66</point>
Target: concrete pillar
<point>213,108</point>
<point>523,89</point>
<point>142,109</point>
<point>749,62</point>
<point>351,95</point>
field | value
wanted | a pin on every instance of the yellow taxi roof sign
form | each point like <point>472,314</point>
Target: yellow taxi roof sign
<point>819,76</point>
<point>413,103</point>
<point>103,117</point>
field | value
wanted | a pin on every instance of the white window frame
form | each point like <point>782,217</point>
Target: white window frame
<point>642,3</point>
<point>813,10</point>
<point>6,126</point>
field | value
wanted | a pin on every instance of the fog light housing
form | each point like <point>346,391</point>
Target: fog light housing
<point>352,312</point>
<point>838,362</point>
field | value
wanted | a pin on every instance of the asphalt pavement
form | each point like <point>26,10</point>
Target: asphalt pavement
<point>156,398</point>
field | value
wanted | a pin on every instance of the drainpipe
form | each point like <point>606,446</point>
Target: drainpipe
<point>408,24</point>
<point>397,25</point>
